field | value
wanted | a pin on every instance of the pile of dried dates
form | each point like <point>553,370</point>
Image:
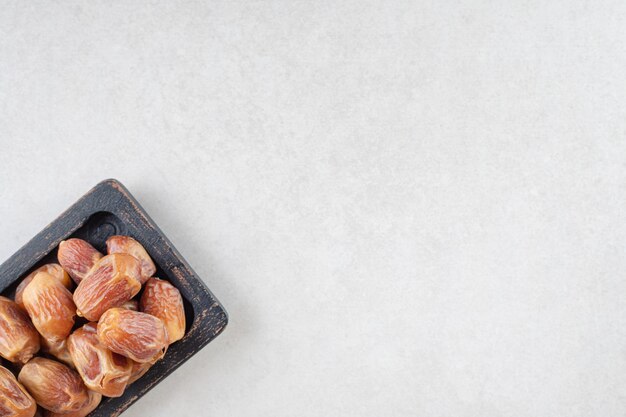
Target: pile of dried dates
<point>64,367</point>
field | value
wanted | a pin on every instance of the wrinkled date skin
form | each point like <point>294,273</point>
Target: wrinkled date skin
<point>54,386</point>
<point>139,370</point>
<point>102,370</point>
<point>94,402</point>
<point>161,299</point>
<point>54,270</point>
<point>112,281</point>
<point>19,339</point>
<point>126,244</point>
<point>50,306</point>
<point>57,349</point>
<point>131,305</point>
<point>77,257</point>
<point>15,401</point>
<point>138,336</point>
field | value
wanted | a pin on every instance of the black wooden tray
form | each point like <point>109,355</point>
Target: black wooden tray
<point>109,209</point>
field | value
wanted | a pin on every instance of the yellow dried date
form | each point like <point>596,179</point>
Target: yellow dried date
<point>15,401</point>
<point>54,386</point>
<point>19,340</point>
<point>161,299</point>
<point>77,257</point>
<point>126,244</point>
<point>102,370</point>
<point>112,281</point>
<point>138,336</point>
<point>54,270</point>
<point>50,306</point>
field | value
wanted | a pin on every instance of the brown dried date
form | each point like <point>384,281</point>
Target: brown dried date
<point>77,257</point>
<point>92,404</point>
<point>19,339</point>
<point>50,306</point>
<point>161,299</point>
<point>15,401</point>
<point>57,349</point>
<point>54,386</point>
<point>102,370</point>
<point>131,305</point>
<point>138,336</point>
<point>139,370</point>
<point>112,281</point>
<point>126,244</point>
<point>54,270</point>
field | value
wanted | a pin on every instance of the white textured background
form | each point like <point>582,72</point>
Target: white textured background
<point>409,208</point>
